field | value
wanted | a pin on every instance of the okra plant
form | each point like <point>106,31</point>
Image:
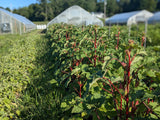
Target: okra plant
<point>104,76</point>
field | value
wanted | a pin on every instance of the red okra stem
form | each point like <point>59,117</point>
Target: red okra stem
<point>121,108</point>
<point>143,39</point>
<point>150,110</point>
<point>80,92</point>
<point>65,72</point>
<point>88,58</point>
<point>95,46</point>
<point>80,89</point>
<point>113,98</point>
<point>128,83</point>
<point>71,68</point>
<point>114,86</point>
<point>76,90</point>
<point>117,40</point>
<point>121,103</point>
<point>106,90</point>
<point>97,115</point>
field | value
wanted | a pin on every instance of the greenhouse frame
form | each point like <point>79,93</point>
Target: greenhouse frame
<point>129,18</point>
<point>76,15</point>
<point>155,18</point>
<point>11,23</point>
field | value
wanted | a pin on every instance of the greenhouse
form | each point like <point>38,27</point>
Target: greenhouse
<point>76,15</point>
<point>14,24</point>
<point>129,18</point>
<point>155,18</point>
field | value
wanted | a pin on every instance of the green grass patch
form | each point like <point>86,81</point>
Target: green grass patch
<point>40,22</point>
<point>6,42</point>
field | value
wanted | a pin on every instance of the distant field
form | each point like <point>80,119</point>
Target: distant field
<point>40,22</point>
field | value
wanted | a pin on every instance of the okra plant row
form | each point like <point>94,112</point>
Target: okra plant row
<point>105,76</point>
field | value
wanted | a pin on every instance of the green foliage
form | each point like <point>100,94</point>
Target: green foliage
<point>46,10</point>
<point>15,68</point>
<point>6,43</point>
<point>153,31</point>
<point>137,32</point>
<point>96,74</point>
<point>134,5</point>
<point>80,73</point>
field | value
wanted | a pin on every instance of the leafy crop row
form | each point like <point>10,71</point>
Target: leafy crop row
<point>104,76</point>
<point>15,71</point>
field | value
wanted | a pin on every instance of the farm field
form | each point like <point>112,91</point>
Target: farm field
<point>6,43</point>
<point>80,73</point>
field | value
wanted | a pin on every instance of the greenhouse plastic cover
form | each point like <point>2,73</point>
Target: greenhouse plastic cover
<point>121,18</point>
<point>130,17</point>
<point>76,15</point>
<point>155,18</point>
<point>18,17</point>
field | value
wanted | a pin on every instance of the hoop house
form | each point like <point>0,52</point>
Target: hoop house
<point>14,24</point>
<point>76,15</point>
<point>155,18</point>
<point>129,18</point>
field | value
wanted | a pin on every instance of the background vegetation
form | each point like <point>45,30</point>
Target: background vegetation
<point>46,10</point>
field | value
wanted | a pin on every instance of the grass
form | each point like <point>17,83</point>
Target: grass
<point>40,22</point>
<point>6,42</point>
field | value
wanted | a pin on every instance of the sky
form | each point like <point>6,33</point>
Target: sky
<point>14,4</point>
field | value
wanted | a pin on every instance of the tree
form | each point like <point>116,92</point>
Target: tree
<point>90,5</point>
<point>148,5</point>
<point>8,9</point>
<point>58,6</point>
<point>124,5</point>
<point>158,5</point>
<point>112,7</point>
<point>100,7</point>
<point>48,9</point>
<point>143,4</point>
<point>34,10</point>
<point>22,11</point>
<point>38,14</point>
<point>50,15</point>
<point>44,5</point>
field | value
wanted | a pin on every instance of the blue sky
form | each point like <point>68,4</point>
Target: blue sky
<point>12,4</point>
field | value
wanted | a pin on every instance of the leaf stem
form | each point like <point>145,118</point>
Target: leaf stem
<point>128,83</point>
<point>95,46</point>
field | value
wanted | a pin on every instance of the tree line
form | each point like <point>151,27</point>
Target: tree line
<point>45,10</point>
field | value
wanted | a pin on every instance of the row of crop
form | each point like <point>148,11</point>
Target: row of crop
<point>105,77</point>
<point>15,70</point>
<point>137,31</point>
